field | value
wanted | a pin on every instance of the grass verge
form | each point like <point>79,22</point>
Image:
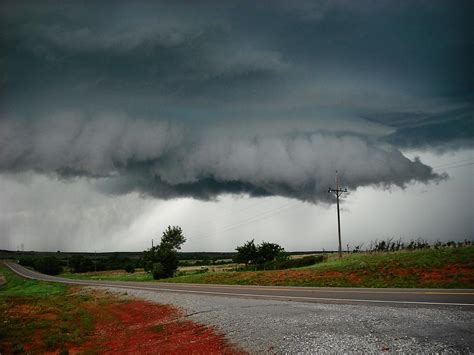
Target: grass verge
<point>117,275</point>
<point>39,317</point>
<point>432,268</point>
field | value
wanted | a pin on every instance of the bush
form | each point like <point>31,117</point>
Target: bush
<point>259,255</point>
<point>27,261</point>
<point>292,263</point>
<point>158,271</point>
<point>49,265</point>
<point>130,268</point>
<point>78,263</point>
<point>165,254</point>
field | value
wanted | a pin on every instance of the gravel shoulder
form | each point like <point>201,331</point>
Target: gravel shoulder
<point>291,327</point>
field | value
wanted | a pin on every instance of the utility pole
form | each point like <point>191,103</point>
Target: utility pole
<point>338,192</point>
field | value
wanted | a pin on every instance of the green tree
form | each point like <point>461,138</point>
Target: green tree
<point>162,260</point>
<point>130,268</point>
<point>49,265</point>
<point>246,253</point>
<point>78,263</point>
<point>172,238</point>
<point>268,252</point>
<point>249,253</point>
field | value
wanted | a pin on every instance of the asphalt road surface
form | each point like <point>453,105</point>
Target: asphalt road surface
<point>315,320</point>
<point>392,296</point>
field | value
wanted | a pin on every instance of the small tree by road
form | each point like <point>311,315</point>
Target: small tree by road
<point>246,253</point>
<point>162,260</point>
<point>269,252</point>
<point>249,253</point>
<point>48,265</point>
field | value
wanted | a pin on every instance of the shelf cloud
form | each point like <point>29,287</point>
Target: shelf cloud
<point>118,118</point>
<point>180,99</point>
<point>166,160</point>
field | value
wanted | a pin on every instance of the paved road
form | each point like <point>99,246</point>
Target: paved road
<point>267,319</point>
<point>431,297</point>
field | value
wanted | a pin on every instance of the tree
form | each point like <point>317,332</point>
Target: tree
<point>246,253</point>
<point>172,238</point>
<point>249,253</point>
<point>162,260</point>
<point>130,268</point>
<point>268,252</point>
<point>78,263</point>
<point>49,265</point>
<point>158,272</point>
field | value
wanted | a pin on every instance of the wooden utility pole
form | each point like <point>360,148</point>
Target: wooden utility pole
<point>338,192</point>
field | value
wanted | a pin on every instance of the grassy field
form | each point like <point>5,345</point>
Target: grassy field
<point>114,275</point>
<point>436,268</point>
<point>39,317</point>
<point>442,268</point>
<point>139,274</point>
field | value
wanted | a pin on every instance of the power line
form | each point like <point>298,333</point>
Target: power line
<point>243,209</point>
<point>453,162</point>
<point>453,166</point>
<point>338,192</point>
<point>270,213</point>
<point>252,219</point>
<point>259,217</point>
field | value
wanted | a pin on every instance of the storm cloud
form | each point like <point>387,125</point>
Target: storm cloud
<point>176,99</point>
<point>166,160</point>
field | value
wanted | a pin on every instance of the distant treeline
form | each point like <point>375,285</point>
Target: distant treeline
<point>45,264</point>
<point>288,263</point>
<point>87,263</point>
<point>182,256</point>
<point>9,254</point>
<point>53,265</point>
<point>392,245</point>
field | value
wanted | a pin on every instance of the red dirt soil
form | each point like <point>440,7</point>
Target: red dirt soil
<point>447,273</point>
<point>139,327</point>
<point>281,277</point>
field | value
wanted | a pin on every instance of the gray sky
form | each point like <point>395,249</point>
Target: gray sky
<point>230,119</point>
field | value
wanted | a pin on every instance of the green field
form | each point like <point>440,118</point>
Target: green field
<point>50,318</point>
<point>118,275</point>
<point>20,287</point>
<point>38,316</point>
<point>443,268</point>
<point>436,268</point>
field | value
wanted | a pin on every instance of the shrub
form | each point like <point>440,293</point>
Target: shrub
<point>27,261</point>
<point>158,271</point>
<point>49,265</point>
<point>78,263</point>
<point>292,263</point>
<point>259,255</point>
<point>165,254</point>
<point>247,253</point>
<point>130,268</point>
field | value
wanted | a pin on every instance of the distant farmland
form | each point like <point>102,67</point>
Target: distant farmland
<point>10,254</point>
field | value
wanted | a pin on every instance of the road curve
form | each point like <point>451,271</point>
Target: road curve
<point>390,296</point>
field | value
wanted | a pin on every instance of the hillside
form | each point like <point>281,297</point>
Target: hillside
<point>431,268</point>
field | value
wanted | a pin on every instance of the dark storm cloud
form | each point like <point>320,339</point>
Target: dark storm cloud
<point>450,129</point>
<point>213,54</point>
<point>185,99</point>
<point>161,159</point>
